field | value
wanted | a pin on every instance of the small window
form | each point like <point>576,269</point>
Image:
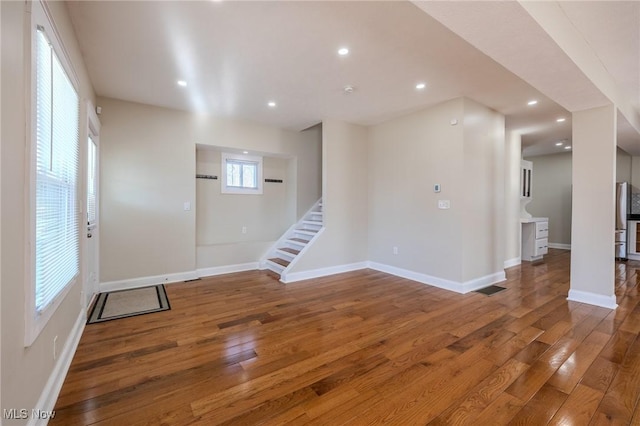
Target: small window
<point>241,174</point>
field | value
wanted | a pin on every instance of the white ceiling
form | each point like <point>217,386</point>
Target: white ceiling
<point>237,56</point>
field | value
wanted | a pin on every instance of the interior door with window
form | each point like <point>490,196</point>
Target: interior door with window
<point>91,285</point>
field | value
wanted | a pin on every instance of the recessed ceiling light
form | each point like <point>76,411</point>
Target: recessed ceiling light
<point>182,83</point>
<point>343,51</point>
<point>532,102</point>
<point>561,119</point>
<point>348,89</point>
<point>420,86</point>
<point>567,147</point>
<point>559,143</point>
<point>271,104</point>
<point>245,152</point>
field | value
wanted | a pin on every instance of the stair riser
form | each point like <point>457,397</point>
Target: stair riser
<point>305,235</point>
<point>274,268</point>
<point>284,255</point>
<point>294,245</point>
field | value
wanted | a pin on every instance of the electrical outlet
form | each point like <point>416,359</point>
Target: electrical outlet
<point>444,204</point>
<point>395,250</point>
<point>55,348</point>
<point>244,229</point>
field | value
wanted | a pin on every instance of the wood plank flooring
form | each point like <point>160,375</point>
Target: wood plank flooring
<point>364,348</point>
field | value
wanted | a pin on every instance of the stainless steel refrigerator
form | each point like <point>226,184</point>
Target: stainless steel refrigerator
<point>622,209</point>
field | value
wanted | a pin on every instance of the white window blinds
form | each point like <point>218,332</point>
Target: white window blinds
<point>57,145</point>
<point>92,184</point>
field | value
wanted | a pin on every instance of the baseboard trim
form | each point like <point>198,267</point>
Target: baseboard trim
<point>417,276</point>
<point>560,246</point>
<point>227,269</point>
<point>322,272</point>
<point>595,299</point>
<point>458,287</point>
<point>147,281</point>
<point>512,262</point>
<point>49,395</point>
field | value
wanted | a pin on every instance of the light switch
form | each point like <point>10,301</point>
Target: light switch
<point>187,206</point>
<point>444,204</point>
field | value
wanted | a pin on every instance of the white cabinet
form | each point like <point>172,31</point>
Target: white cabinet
<point>633,246</point>
<point>535,233</point>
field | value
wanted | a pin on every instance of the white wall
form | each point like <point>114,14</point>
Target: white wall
<point>148,162</point>
<point>594,160</point>
<point>221,217</point>
<point>304,146</point>
<point>551,194</point>
<point>635,174</point>
<point>147,174</point>
<point>623,166</point>
<point>345,175</point>
<point>25,371</point>
<point>407,156</point>
<point>551,188</point>
<point>482,183</point>
<point>513,152</point>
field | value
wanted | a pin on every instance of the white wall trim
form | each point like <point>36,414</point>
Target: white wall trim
<point>417,276</point>
<point>512,262</point>
<point>227,269</point>
<point>603,301</point>
<point>323,272</point>
<point>147,281</point>
<point>442,283</point>
<point>560,246</point>
<point>49,395</point>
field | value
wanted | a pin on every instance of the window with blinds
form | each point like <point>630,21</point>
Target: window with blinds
<point>92,184</point>
<point>57,236</point>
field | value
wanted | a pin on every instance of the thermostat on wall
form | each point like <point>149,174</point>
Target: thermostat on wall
<point>436,187</point>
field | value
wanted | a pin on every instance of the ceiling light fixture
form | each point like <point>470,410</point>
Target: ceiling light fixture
<point>561,119</point>
<point>559,143</point>
<point>343,51</point>
<point>420,86</point>
<point>245,152</point>
<point>348,89</point>
<point>271,104</point>
<point>567,147</point>
<point>532,102</point>
<point>182,83</point>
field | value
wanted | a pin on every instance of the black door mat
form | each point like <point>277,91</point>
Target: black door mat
<point>492,289</point>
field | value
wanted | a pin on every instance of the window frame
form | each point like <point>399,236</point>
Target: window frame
<point>225,188</point>
<point>36,321</point>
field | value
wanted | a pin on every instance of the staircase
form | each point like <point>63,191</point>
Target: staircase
<point>285,251</point>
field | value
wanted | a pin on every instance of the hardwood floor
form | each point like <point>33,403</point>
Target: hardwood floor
<point>364,348</point>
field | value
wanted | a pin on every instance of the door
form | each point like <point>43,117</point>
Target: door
<point>92,201</point>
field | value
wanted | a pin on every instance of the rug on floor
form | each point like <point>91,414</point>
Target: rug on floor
<point>129,303</point>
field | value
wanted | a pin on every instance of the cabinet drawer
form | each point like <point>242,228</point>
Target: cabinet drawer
<point>542,229</point>
<point>542,247</point>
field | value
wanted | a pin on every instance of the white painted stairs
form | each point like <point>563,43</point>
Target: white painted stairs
<point>288,249</point>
